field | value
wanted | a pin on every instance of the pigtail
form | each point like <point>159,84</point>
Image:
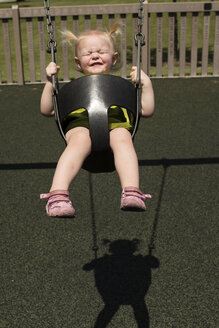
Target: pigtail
<point>115,30</point>
<point>68,37</point>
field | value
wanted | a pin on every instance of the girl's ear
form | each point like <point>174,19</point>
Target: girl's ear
<point>77,62</point>
<point>115,57</point>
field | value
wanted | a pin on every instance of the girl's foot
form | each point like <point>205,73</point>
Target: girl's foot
<point>133,199</point>
<point>58,203</point>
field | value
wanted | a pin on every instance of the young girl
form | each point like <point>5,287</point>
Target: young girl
<point>95,54</point>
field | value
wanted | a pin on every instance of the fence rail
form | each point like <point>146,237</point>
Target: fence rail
<point>182,39</point>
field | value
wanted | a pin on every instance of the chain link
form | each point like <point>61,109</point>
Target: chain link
<point>139,42</point>
<point>50,29</point>
<point>51,48</point>
<point>139,35</point>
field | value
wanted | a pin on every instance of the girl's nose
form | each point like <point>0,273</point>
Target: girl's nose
<point>94,55</point>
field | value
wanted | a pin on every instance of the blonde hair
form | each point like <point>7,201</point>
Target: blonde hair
<point>111,36</point>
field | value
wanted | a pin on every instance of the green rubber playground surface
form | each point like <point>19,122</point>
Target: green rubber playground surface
<point>49,275</point>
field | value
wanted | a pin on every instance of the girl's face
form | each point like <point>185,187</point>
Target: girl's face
<point>95,55</point>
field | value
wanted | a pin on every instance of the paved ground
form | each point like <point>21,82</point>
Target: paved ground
<point>49,276</point>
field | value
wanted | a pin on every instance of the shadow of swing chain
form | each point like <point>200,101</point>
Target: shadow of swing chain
<point>93,221</point>
<point>151,245</point>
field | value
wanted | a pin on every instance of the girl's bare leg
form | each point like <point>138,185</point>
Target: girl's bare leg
<point>126,161</point>
<point>77,149</point>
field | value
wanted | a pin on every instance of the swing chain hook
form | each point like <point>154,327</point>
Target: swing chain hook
<point>139,36</point>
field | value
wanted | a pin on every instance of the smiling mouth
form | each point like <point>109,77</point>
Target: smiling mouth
<point>94,64</point>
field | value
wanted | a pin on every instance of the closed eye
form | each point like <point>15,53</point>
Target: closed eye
<point>86,54</point>
<point>100,51</point>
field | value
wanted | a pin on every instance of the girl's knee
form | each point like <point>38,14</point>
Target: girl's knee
<point>79,138</point>
<point>120,136</point>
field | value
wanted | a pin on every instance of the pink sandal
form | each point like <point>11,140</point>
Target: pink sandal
<point>133,199</point>
<point>58,203</point>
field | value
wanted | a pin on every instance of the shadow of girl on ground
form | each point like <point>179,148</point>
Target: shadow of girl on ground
<point>123,278</point>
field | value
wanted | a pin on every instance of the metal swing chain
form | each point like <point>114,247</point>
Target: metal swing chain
<point>52,44</point>
<point>139,35</point>
<point>139,40</point>
<point>50,29</point>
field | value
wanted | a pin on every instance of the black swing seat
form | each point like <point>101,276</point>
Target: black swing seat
<point>97,93</point>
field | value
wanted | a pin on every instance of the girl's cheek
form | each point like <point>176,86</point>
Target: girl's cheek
<point>84,63</point>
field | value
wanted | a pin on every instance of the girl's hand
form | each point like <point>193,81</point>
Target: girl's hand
<point>52,69</point>
<point>144,78</point>
<point>147,96</point>
<point>46,104</point>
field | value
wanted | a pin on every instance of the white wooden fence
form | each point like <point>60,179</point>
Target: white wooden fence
<point>182,39</point>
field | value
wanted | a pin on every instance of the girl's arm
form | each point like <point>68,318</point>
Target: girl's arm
<point>46,104</point>
<point>147,97</point>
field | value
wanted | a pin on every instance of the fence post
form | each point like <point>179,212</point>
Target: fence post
<point>17,43</point>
